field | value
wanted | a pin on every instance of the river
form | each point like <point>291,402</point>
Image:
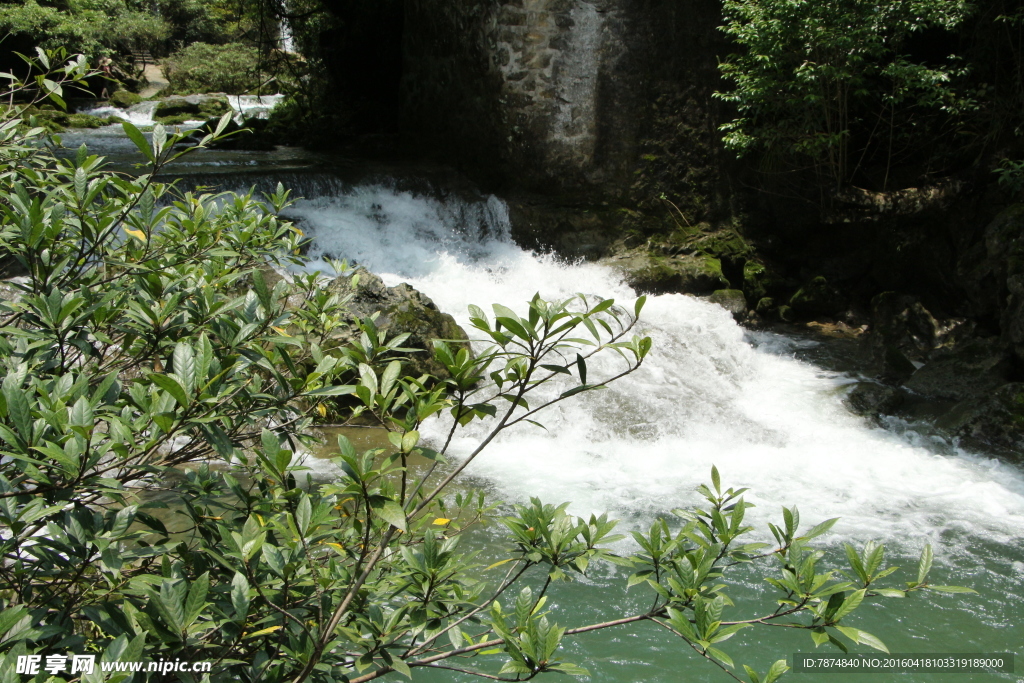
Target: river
<point>755,404</point>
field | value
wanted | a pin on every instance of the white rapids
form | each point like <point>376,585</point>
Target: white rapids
<point>710,393</point>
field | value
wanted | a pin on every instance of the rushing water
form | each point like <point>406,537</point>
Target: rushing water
<point>710,393</point>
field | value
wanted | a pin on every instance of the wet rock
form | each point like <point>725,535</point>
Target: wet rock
<point>900,321</point>
<point>124,99</point>
<point>402,309</point>
<point>871,400</point>
<point>765,305</point>
<point>191,108</point>
<point>817,297</point>
<point>968,370</point>
<point>684,273</point>
<point>994,420</point>
<point>905,334</point>
<point>731,300</point>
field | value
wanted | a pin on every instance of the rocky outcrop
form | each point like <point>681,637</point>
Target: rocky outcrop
<point>993,420</point>
<point>191,108</point>
<point>974,368</point>
<point>684,273</point>
<point>992,274</point>
<point>941,360</point>
<point>402,309</point>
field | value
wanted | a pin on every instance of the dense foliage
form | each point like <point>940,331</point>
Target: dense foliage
<point>830,85</point>
<point>202,68</point>
<point>92,27</point>
<point>149,362</point>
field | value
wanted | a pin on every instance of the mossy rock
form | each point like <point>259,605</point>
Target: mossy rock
<point>90,121</point>
<point>685,273</point>
<point>123,99</point>
<point>177,110</point>
<point>765,305</point>
<point>732,300</point>
<point>817,297</point>
<point>403,309</point>
<point>725,244</point>
<point>760,281</point>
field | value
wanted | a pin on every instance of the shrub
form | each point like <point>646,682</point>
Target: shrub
<point>203,68</point>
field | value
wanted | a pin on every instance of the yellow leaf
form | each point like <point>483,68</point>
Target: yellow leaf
<point>280,331</point>
<point>265,631</point>
<point>498,564</point>
<point>441,521</point>
<point>137,234</point>
<point>322,409</point>
<point>336,546</point>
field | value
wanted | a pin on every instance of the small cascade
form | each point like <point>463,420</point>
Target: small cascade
<point>140,114</point>
<point>254,106</point>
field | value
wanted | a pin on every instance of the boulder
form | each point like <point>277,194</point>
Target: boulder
<point>191,108</point>
<point>402,309</point>
<point>972,369</point>
<point>995,420</point>
<point>871,399</point>
<point>904,334</point>
<point>816,297</point>
<point>731,300</point>
<point>124,99</point>
<point>684,273</point>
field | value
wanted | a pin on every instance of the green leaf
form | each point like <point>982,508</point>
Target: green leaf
<point>924,565</point>
<point>951,589</point>
<point>851,603</point>
<point>240,596</point>
<point>820,529</point>
<point>393,513</point>
<point>401,667</point>
<point>136,136</point>
<point>863,637</point>
<point>721,656</point>
<point>777,669</point>
<point>171,386</point>
<point>637,307</point>
<point>196,600</point>
<point>303,512</point>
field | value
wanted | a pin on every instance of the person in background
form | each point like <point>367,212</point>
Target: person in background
<point>106,65</point>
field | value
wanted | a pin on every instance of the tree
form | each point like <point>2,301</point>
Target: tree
<point>830,85</point>
<point>146,337</point>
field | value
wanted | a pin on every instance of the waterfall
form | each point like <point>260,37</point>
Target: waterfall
<point>287,38</point>
<point>710,393</point>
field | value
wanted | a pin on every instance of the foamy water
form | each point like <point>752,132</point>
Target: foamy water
<point>706,395</point>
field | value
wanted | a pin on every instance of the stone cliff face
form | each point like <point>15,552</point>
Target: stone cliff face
<point>554,94</point>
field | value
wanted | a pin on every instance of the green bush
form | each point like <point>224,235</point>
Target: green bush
<point>88,27</point>
<point>204,68</point>
<point>828,84</point>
